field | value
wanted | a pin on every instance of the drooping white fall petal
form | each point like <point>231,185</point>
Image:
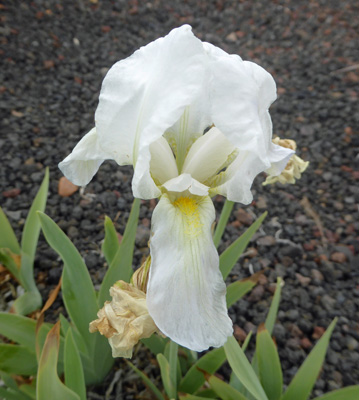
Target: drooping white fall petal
<point>186,293</point>
<point>82,164</point>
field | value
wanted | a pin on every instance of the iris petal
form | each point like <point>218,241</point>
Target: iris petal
<point>186,292</point>
<point>184,183</point>
<point>144,95</point>
<point>82,164</point>
<point>235,102</point>
<point>207,155</point>
<point>163,165</point>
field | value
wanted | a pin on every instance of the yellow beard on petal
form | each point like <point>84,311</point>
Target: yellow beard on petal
<point>191,219</point>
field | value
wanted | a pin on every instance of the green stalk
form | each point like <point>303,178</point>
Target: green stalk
<point>222,223</point>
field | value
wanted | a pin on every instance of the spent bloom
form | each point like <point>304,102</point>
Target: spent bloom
<point>293,170</point>
<point>125,319</point>
<point>194,122</point>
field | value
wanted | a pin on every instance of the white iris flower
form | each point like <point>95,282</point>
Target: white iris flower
<point>194,122</point>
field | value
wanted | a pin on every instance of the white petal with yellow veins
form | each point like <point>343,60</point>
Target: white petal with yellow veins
<point>186,295</point>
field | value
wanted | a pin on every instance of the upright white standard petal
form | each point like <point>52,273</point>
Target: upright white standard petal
<point>207,155</point>
<point>186,295</point>
<point>235,182</point>
<point>82,164</point>
<point>235,102</point>
<point>163,164</point>
<point>144,95</point>
<point>194,120</point>
<point>266,92</point>
<point>241,93</point>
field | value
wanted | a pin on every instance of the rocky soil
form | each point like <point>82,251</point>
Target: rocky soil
<point>54,57</point>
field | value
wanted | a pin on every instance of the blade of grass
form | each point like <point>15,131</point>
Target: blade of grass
<point>243,369</point>
<point>230,256</point>
<point>168,384</point>
<point>188,396</point>
<point>271,317</point>
<point>29,389</point>
<point>234,381</point>
<point>121,265</point>
<point>210,363</point>
<point>80,299</point>
<point>74,376</point>
<point>273,310</point>
<point>223,390</point>
<point>207,393</point>
<point>238,289</point>
<point>147,381</point>
<point>246,341</point>
<point>77,288</point>
<point>155,343</point>
<point>8,380</point>
<point>18,329</point>
<point>27,303</point>
<point>17,360</point>
<point>305,378</point>
<point>7,236</point>
<point>52,297</point>
<point>30,236</point>
<point>65,325</point>
<point>270,371</point>
<point>222,223</point>
<point>48,384</point>
<point>348,393</point>
<point>12,262</point>
<point>12,394</point>
<point>173,362</point>
<point>111,243</point>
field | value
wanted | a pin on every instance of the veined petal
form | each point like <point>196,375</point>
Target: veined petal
<point>242,93</point>
<point>185,182</point>
<point>235,102</point>
<point>194,120</point>
<point>278,157</point>
<point>207,155</point>
<point>144,95</point>
<point>267,91</point>
<point>82,164</point>
<point>186,292</point>
<point>236,181</point>
<point>163,165</point>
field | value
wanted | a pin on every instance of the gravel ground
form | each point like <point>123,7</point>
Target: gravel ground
<point>55,55</point>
